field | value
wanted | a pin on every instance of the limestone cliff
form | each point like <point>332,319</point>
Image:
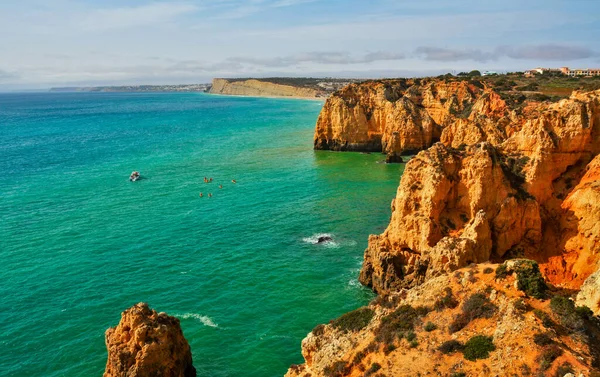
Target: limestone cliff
<point>400,116</point>
<point>515,193</point>
<point>261,88</point>
<point>473,322</point>
<point>505,181</point>
<point>147,343</point>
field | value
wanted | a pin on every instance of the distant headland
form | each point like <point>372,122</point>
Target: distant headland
<point>290,87</point>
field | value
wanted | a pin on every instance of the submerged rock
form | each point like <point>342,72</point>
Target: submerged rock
<point>147,343</point>
<point>324,239</point>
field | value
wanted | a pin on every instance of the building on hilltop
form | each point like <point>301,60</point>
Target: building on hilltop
<point>588,72</point>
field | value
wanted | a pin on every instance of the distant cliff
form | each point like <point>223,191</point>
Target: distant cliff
<point>253,87</point>
<point>398,116</point>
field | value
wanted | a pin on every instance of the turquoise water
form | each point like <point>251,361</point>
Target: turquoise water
<point>79,243</point>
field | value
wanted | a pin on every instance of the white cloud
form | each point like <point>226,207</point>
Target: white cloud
<point>131,17</point>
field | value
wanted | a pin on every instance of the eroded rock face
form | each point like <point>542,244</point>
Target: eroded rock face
<point>515,185</point>
<point>261,89</point>
<point>147,343</point>
<point>590,293</point>
<point>399,116</point>
<point>453,208</point>
<point>405,334</point>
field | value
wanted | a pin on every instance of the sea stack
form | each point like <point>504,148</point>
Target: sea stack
<point>147,343</point>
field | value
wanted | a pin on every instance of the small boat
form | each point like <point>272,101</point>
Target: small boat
<point>134,176</point>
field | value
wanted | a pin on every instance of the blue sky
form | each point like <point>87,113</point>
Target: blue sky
<point>83,42</point>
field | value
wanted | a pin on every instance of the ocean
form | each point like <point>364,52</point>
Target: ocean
<point>79,242</point>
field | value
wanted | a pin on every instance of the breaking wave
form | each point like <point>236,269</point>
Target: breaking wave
<point>314,240</point>
<point>204,319</point>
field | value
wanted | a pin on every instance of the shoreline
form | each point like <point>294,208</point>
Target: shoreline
<point>271,97</point>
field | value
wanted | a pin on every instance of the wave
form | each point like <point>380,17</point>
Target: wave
<point>204,319</point>
<point>314,240</point>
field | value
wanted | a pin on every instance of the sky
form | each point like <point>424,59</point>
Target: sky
<point>49,43</point>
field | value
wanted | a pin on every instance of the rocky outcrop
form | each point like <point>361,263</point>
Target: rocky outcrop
<point>589,295</point>
<point>516,188</point>
<point>427,331</point>
<point>400,116</point>
<point>147,343</point>
<point>503,183</point>
<point>261,88</point>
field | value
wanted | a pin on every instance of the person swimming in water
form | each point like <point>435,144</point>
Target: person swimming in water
<point>210,180</point>
<point>209,195</point>
<point>234,181</point>
<point>220,186</point>
<point>201,195</point>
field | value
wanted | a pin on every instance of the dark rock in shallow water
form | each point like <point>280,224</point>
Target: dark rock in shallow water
<point>393,158</point>
<point>323,239</point>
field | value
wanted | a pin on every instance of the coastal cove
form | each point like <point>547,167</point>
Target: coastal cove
<point>80,243</point>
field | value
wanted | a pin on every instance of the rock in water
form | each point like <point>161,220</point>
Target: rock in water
<point>393,158</point>
<point>324,239</point>
<point>147,343</point>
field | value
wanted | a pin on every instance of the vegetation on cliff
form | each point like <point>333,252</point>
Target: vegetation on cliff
<point>513,180</point>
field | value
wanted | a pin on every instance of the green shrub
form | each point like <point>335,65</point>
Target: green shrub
<point>488,270</point>
<point>373,369</point>
<point>569,316</point>
<point>542,339</point>
<point>545,318</point>
<point>422,311</point>
<point>429,326</point>
<point>478,347</point>
<point>476,306</point>
<point>355,320</point>
<point>413,343</point>
<point>562,305</point>
<point>337,369</point>
<point>501,271</point>
<point>359,357</point>
<point>458,374</point>
<point>410,336</point>
<point>397,324</point>
<point>521,305</point>
<point>530,279</point>
<point>563,369</point>
<point>388,348</point>
<point>318,330</point>
<point>459,322</point>
<point>450,346</point>
<point>446,301</point>
<point>584,312</point>
<point>550,353</point>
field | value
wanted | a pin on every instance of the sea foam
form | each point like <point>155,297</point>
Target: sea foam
<point>314,240</point>
<point>204,319</point>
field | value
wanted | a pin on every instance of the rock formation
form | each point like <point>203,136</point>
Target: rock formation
<point>512,194</point>
<point>261,88</point>
<point>399,116</point>
<point>495,180</point>
<point>147,343</point>
<point>427,331</point>
<point>589,295</point>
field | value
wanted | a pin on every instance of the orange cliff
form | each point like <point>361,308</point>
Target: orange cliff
<point>515,194</point>
<point>398,116</point>
<point>504,181</point>
<point>147,343</point>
